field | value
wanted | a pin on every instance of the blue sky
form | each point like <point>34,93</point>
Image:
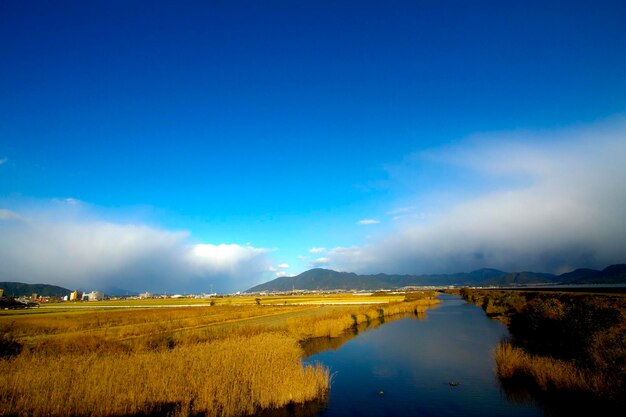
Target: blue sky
<point>246,133</point>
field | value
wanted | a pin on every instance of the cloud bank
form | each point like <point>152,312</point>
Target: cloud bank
<point>322,262</point>
<point>366,222</point>
<point>557,203</point>
<point>72,249</point>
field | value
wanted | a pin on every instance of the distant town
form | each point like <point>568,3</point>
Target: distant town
<point>33,300</point>
<point>95,295</point>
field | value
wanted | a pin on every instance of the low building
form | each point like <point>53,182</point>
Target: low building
<point>95,296</point>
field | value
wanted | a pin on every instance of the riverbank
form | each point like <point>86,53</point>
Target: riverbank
<point>562,344</point>
<point>218,360</point>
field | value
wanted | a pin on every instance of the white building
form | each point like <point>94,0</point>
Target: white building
<point>94,296</point>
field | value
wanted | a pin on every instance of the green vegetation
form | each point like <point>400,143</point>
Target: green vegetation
<point>221,360</point>
<point>564,343</point>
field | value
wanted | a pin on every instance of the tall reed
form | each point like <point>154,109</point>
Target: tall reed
<point>333,324</point>
<point>561,342</point>
<point>230,377</point>
<point>546,373</point>
<point>214,361</point>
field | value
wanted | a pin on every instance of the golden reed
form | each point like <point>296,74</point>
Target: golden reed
<point>200,361</point>
<point>230,377</point>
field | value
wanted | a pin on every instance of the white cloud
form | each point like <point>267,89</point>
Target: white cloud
<point>223,257</point>
<point>368,221</point>
<point>317,250</point>
<point>319,262</point>
<point>3,160</point>
<point>413,217</point>
<point>402,210</point>
<point>559,203</point>
<point>9,215</point>
<point>284,266</point>
<point>408,213</point>
<point>76,251</point>
<point>70,201</point>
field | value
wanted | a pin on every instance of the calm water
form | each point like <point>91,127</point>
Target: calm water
<point>412,363</point>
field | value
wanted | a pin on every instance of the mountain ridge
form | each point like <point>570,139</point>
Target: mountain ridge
<point>18,289</point>
<point>328,279</point>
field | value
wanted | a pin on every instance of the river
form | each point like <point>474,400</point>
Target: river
<point>439,365</point>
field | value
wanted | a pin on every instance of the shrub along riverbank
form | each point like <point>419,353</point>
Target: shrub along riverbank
<point>571,345</point>
<point>212,361</point>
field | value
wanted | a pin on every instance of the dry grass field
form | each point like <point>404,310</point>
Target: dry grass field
<point>229,359</point>
<point>233,376</point>
<point>343,298</point>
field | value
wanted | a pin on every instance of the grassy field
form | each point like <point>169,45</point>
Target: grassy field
<point>233,358</point>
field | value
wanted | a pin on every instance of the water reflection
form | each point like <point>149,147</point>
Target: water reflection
<point>320,344</point>
<point>406,368</point>
<point>557,404</point>
<point>317,345</point>
<point>442,366</point>
<point>308,409</point>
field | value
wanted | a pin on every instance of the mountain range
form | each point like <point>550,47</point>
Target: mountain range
<point>327,279</point>
<point>18,289</point>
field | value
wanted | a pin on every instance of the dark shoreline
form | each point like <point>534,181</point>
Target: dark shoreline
<point>586,289</point>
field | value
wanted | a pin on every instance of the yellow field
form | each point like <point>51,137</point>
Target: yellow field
<point>346,298</point>
<point>164,357</point>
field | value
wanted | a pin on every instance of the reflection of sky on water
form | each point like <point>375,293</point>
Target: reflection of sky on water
<point>412,362</point>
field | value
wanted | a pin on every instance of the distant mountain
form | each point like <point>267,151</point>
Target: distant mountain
<point>326,279</point>
<point>614,274</point>
<point>319,278</point>
<point>17,289</point>
<point>580,274</point>
<point>520,278</point>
